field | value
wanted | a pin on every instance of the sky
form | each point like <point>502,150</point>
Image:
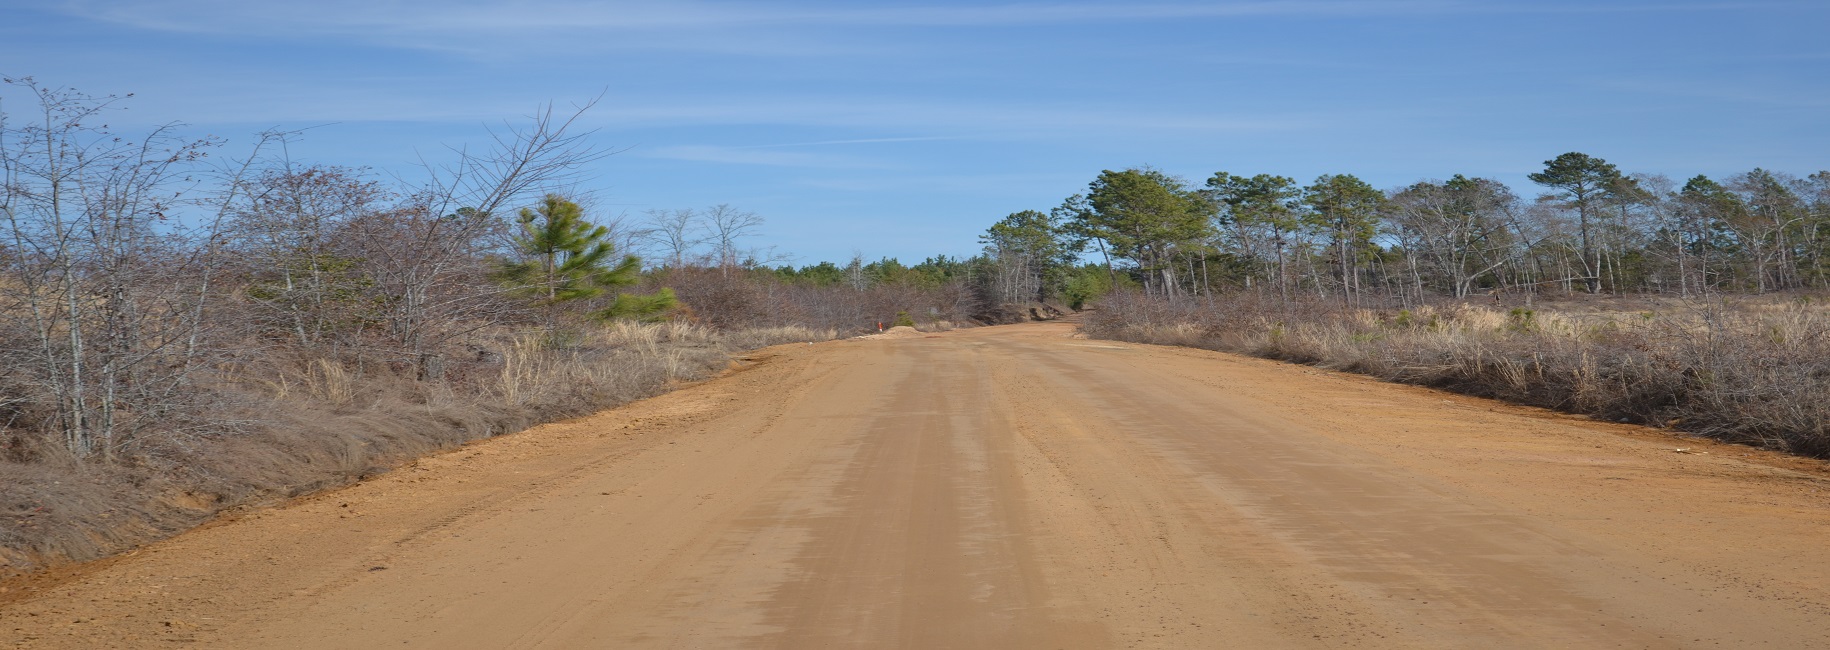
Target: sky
<point>903,129</point>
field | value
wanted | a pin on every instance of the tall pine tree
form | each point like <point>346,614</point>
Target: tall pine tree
<point>1583,182</point>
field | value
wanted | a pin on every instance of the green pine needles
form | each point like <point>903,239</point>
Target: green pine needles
<point>567,259</point>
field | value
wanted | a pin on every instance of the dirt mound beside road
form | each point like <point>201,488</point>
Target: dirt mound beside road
<point>897,332</point>
<point>1011,313</point>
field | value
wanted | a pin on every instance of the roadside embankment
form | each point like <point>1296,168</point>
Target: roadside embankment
<point>1747,371</point>
<point>303,426</point>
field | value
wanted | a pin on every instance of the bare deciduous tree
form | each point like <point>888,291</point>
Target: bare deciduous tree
<point>724,226</point>
<point>103,272</point>
<point>675,233</point>
<point>428,272</point>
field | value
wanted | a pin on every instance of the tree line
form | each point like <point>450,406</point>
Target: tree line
<point>1590,228</point>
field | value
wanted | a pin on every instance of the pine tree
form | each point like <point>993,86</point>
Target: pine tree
<point>1583,181</point>
<point>567,258</point>
<point>1345,211</point>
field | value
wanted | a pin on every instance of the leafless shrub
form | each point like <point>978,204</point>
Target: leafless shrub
<point>755,299</point>
<point>314,423</point>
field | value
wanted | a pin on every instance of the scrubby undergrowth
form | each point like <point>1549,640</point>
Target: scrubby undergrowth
<point>1742,370</point>
<point>316,423</point>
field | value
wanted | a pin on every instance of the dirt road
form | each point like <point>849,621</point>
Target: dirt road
<point>1008,487</point>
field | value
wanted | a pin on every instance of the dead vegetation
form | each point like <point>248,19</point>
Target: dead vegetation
<point>1753,370</point>
<point>749,298</point>
<point>316,423</point>
<point>180,335</point>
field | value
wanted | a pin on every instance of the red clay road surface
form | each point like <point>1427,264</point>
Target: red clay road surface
<point>1008,487</point>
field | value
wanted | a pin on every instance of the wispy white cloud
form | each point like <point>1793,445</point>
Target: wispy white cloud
<point>472,26</point>
<point>991,120</point>
<point>771,154</point>
<point>263,103</point>
<point>822,143</point>
<point>1726,91</point>
<point>279,103</point>
<point>750,156</point>
<point>956,183</point>
<point>428,16</point>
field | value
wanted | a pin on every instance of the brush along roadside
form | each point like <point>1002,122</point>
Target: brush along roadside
<point>1750,371</point>
<point>312,424</point>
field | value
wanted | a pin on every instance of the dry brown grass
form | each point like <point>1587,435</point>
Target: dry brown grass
<point>316,423</point>
<point>1754,371</point>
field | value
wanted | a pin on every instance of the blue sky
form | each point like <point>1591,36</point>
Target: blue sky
<point>903,129</point>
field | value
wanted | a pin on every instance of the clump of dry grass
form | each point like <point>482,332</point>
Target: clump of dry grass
<point>314,423</point>
<point>1741,370</point>
<point>762,337</point>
